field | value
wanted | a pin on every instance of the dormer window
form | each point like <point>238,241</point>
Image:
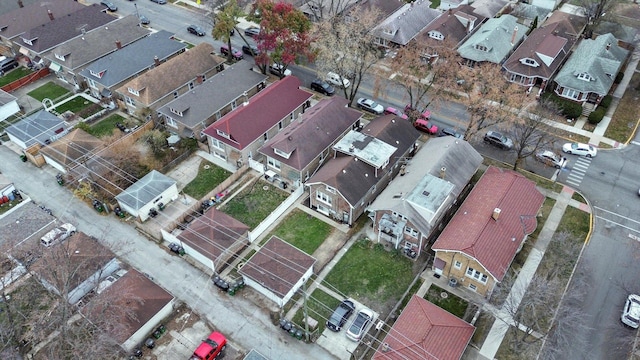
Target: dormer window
<point>175,111</point>
<point>223,134</point>
<point>585,77</point>
<point>481,48</point>
<point>97,74</point>
<point>330,189</point>
<point>389,31</point>
<point>436,35</point>
<point>29,41</point>
<point>133,91</point>
<point>530,62</point>
<point>59,57</point>
<point>282,153</point>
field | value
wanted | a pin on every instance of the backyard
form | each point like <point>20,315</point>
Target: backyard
<point>302,230</point>
<point>446,301</point>
<point>209,176</point>
<point>105,127</point>
<point>14,75</point>
<point>49,90</point>
<point>77,105</point>
<point>255,203</point>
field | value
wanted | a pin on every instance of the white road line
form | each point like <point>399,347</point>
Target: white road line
<point>635,143</point>
<point>573,182</point>
<point>616,214</point>
<point>616,223</point>
<point>634,237</point>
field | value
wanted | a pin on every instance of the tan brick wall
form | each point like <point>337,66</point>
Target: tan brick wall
<point>450,271</point>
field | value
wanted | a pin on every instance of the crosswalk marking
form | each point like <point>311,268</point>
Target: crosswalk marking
<point>578,171</point>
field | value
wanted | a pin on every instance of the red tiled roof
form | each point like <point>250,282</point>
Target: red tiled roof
<point>247,123</point>
<point>425,331</point>
<point>493,243</point>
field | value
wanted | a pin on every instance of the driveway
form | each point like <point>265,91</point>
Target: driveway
<point>246,325</point>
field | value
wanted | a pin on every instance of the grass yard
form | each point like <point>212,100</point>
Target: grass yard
<point>625,117</point>
<point>303,231</point>
<point>254,203</point>
<point>576,222</point>
<point>209,176</point>
<point>49,90</point>
<point>517,345</point>
<point>106,126</point>
<point>14,75</point>
<point>449,302</point>
<point>74,105</point>
<point>372,275</point>
<point>320,306</point>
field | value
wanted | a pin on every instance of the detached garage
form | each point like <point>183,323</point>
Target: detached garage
<point>153,192</point>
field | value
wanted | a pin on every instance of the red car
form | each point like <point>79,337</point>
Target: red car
<point>424,125</point>
<point>210,348</point>
<point>396,112</point>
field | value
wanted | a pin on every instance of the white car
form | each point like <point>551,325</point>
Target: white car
<point>276,69</point>
<point>550,158</point>
<point>370,106</point>
<point>631,312</point>
<point>359,325</point>
<point>337,80</point>
<point>58,234</point>
<point>580,149</point>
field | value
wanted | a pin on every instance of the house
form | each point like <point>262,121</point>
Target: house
<point>405,24</point>
<point>153,191</point>
<point>171,79</point>
<point>238,135</point>
<point>40,128</point>
<point>73,149</point>
<point>8,6</point>
<point>493,41</point>
<point>480,242</point>
<point>410,211</point>
<point>38,40</point>
<point>590,71</point>
<point>138,302</point>
<point>26,221</point>
<point>383,7</point>
<point>15,22</point>
<point>106,74</point>
<point>489,8</point>
<point>530,15</point>
<point>68,59</point>
<point>212,239</point>
<point>363,164</point>
<point>277,270</point>
<point>425,331</point>
<point>296,152</point>
<point>8,105</point>
<point>452,26</point>
<point>538,58</point>
<point>190,113</point>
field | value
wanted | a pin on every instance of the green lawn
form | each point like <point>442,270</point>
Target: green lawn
<point>49,90</point>
<point>206,180</point>
<point>106,126</point>
<point>576,222</point>
<point>74,105</point>
<point>254,203</point>
<point>435,4</point>
<point>371,274</point>
<point>320,306</point>
<point>303,231</point>
<point>452,303</point>
<point>14,75</point>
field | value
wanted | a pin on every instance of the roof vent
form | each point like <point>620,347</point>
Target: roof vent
<point>385,347</point>
<point>496,214</point>
<point>351,148</point>
<point>443,172</point>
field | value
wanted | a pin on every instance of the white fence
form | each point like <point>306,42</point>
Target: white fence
<point>264,225</point>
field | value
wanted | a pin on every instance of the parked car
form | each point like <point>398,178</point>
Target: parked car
<point>340,315</point>
<point>144,20</point>
<point>322,87</point>
<point>631,312</point>
<point>497,139</point>
<point>276,69</point>
<point>370,106</point>
<point>337,80</point>
<point>211,348</point>
<point>161,2</point>
<point>426,114</point>
<point>58,234</point>
<point>110,6</point>
<point>195,30</point>
<point>235,53</point>
<point>250,50</point>
<point>396,112</point>
<point>580,149</point>
<point>426,126</point>
<point>450,132</point>
<point>252,31</point>
<point>360,324</point>
<point>550,158</point>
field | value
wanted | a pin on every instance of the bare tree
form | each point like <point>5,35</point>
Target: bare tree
<point>318,10</point>
<point>530,133</point>
<point>596,10</point>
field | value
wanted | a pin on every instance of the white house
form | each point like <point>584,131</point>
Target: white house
<point>154,191</point>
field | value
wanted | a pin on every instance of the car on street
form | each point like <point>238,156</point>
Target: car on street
<point>235,53</point>
<point>276,69</point>
<point>337,80</point>
<point>450,132</point>
<point>425,126</point>
<point>161,2</point>
<point>109,5</point>
<point>370,106</point>
<point>550,158</point>
<point>250,49</point>
<point>58,234</point>
<point>580,149</point>
<point>498,139</point>
<point>195,30</point>
<point>396,112</point>
<point>322,87</point>
<point>210,348</point>
<point>631,311</point>
<point>360,324</point>
<point>340,315</point>
<point>144,20</point>
<point>252,31</point>
<point>426,114</point>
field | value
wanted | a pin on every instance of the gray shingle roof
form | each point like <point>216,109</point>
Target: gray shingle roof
<point>600,58</point>
<point>133,59</point>
<point>34,13</point>
<point>40,127</point>
<point>6,98</point>
<point>489,8</point>
<point>145,190</point>
<point>406,22</point>
<point>497,36</point>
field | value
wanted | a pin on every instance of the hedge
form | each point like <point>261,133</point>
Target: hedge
<point>596,116</point>
<point>606,101</point>
<point>568,108</point>
<point>618,78</point>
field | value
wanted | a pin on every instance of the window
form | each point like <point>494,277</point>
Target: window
<point>130,101</point>
<point>473,273</point>
<point>481,48</point>
<point>59,57</point>
<point>97,74</point>
<point>191,85</point>
<point>436,35</point>
<point>570,93</point>
<point>280,125</point>
<point>411,231</point>
<point>265,136</point>
<point>223,134</point>
<point>530,62</point>
<point>397,215</point>
<point>584,76</point>
<point>282,153</point>
<point>133,91</point>
<point>322,197</point>
<point>234,104</point>
<point>273,163</point>
<point>179,113</point>
<point>330,189</point>
<point>92,83</point>
<point>171,122</point>
<point>204,77</point>
<point>373,189</point>
<point>217,144</point>
<point>457,264</point>
<point>473,287</point>
<point>175,94</point>
<point>218,115</point>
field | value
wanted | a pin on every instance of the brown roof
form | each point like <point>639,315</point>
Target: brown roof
<point>277,266</point>
<point>73,148</point>
<point>425,331</point>
<point>172,74</point>
<point>454,25</point>
<point>493,243</point>
<point>213,233</point>
<point>22,19</point>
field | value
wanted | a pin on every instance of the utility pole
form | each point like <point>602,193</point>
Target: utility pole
<point>304,312</point>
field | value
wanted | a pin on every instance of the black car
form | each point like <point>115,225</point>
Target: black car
<point>144,20</point>
<point>252,31</point>
<point>450,132</point>
<point>497,139</point>
<point>322,87</point>
<point>161,2</point>
<point>110,6</point>
<point>250,50</point>
<point>195,30</point>
<point>340,315</point>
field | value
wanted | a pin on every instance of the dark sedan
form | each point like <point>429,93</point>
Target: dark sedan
<point>195,30</point>
<point>322,87</point>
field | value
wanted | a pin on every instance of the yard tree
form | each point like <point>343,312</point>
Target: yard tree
<point>284,36</point>
<point>326,9</point>
<point>345,45</point>
<point>225,21</point>
<point>530,132</point>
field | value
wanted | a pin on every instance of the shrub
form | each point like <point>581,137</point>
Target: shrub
<point>606,101</point>
<point>618,78</point>
<point>596,116</point>
<point>569,109</point>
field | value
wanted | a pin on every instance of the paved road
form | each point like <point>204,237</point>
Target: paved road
<point>245,324</point>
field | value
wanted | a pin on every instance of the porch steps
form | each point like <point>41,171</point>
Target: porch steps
<point>587,108</point>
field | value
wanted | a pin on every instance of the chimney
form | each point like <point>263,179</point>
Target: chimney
<point>118,44</point>
<point>200,79</point>
<point>608,46</point>
<point>513,37</point>
<point>496,214</point>
<point>443,172</point>
<point>20,4</point>
<point>50,15</point>
<point>156,60</point>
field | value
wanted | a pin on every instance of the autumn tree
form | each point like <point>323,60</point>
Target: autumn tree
<point>345,45</point>
<point>225,21</point>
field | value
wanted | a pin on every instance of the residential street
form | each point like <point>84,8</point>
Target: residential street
<point>245,324</point>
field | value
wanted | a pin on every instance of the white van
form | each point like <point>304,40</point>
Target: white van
<point>58,234</point>
<point>337,80</point>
